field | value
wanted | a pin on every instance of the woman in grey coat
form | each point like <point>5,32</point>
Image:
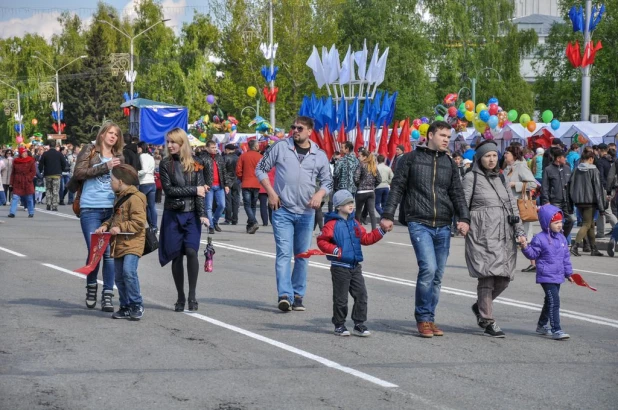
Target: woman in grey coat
<point>516,174</point>
<point>491,250</point>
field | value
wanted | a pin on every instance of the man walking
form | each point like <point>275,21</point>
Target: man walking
<point>345,167</point>
<point>245,170</point>
<point>604,164</point>
<point>430,181</point>
<point>232,199</point>
<point>554,187</point>
<point>129,152</point>
<point>218,185</point>
<point>51,165</point>
<point>301,166</point>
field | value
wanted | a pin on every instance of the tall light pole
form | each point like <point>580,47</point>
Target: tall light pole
<point>272,63</point>
<point>474,80</point>
<point>57,85</point>
<point>131,75</point>
<point>19,119</point>
<point>585,114</point>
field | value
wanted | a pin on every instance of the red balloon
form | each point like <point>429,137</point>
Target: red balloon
<point>493,109</point>
<point>452,112</point>
<point>416,123</point>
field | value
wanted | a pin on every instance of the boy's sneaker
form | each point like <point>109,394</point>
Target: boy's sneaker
<point>493,330</point>
<point>342,331</point>
<point>543,330</point>
<point>123,313</point>
<point>436,330</point>
<point>298,304</point>
<point>284,304</point>
<point>360,330</point>
<point>477,313</point>
<point>611,246</point>
<point>136,312</point>
<point>424,329</point>
<point>91,295</point>
<point>106,301</point>
<point>560,335</point>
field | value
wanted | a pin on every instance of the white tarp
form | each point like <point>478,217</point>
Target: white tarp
<point>595,133</point>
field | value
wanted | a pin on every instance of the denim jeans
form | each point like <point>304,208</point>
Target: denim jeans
<point>615,233</point>
<point>249,201</point>
<point>292,236</point>
<point>149,191</point>
<point>127,281</point>
<point>2,198</point>
<point>266,212</point>
<point>90,219</point>
<point>551,306</point>
<point>217,194</point>
<point>431,246</point>
<point>64,180</point>
<point>16,200</point>
<point>381,196</point>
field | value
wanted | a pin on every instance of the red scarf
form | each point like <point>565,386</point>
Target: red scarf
<point>21,160</point>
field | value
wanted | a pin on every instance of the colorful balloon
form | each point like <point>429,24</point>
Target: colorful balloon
<point>493,121</point>
<point>480,107</point>
<point>484,115</point>
<point>524,120</point>
<point>439,118</point>
<point>416,134</point>
<point>424,120</point>
<point>531,126</point>
<point>461,114</point>
<point>19,139</point>
<point>480,126</point>
<point>210,99</point>
<point>512,115</point>
<point>416,123</point>
<point>423,129</point>
<point>35,121</point>
<point>493,100</point>
<point>252,91</point>
<point>547,116</point>
<point>469,105</point>
<point>462,107</point>
<point>452,112</point>
<point>493,109</point>
<point>555,124</point>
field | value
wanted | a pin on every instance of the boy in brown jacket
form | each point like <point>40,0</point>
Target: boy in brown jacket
<point>127,227</point>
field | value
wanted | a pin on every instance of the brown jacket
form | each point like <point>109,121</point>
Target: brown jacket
<point>85,166</point>
<point>130,217</point>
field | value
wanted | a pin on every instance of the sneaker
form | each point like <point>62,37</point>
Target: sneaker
<point>253,229</point>
<point>91,296</point>
<point>11,216</point>
<point>611,246</point>
<point>424,329</point>
<point>560,335</point>
<point>55,209</point>
<point>494,330</point>
<point>31,216</point>
<point>211,231</point>
<point>361,330</point>
<point>106,301</point>
<point>543,330</point>
<point>436,330</point>
<point>530,268</point>
<point>341,331</point>
<point>298,304</point>
<point>477,313</point>
<point>284,304</point>
<point>122,313</point>
<point>48,207</point>
<point>226,223</point>
<point>136,312</point>
<point>217,228</point>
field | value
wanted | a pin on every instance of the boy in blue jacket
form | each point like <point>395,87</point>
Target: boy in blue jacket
<point>342,237</point>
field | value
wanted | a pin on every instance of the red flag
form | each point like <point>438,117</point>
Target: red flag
<point>315,137</point>
<point>341,137</point>
<point>360,139</point>
<point>329,144</point>
<point>383,147</point>
<point>579,281</point>
<point>372,138</point>
<point>98,245</point>
<point>574,55</point>
<point>312,252</point>
<point>404,138</point>
<point>393,142</point>
<point>590,52</point>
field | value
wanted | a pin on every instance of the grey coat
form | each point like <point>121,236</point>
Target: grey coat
<point>490,244</point>
<point>519,173</point>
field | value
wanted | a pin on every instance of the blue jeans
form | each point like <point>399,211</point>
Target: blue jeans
<point>127,281</point>
<point>615,233</point>
<point>431,246</point>
<point>218,194</point>
<point>64,180</point>
<point>149,190</point>
<point>292,236</point>
<point>90,219</point>
<point>551,306</point>
<point>29,203</point>
<point>249,201</point>
<point>2,198</point>
<point>381,196</point>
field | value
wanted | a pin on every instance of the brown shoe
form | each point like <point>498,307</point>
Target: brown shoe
<point>436,330</point>
<point>424,329</point>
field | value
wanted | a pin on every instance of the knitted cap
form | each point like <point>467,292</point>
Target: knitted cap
<point>557,217</point>
<point>342,197</point>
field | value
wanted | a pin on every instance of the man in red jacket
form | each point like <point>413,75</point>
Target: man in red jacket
<point>245,171</point>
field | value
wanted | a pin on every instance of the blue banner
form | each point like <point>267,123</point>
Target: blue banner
<point>155,122</point>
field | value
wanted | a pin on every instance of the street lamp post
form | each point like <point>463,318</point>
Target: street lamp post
<point>19,119</point>
<point>272,63</point>
<point>57,84</point>
<point>474,80</point>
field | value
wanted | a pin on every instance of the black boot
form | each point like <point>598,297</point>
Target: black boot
<point>91,295</point>
<point>595,251</point>
<point>574,251</point>
<point>586,247</point>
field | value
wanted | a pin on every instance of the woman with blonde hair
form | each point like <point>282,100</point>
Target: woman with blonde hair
<point>184,212</point>
<point>96,202</point>
<point>366,178</point>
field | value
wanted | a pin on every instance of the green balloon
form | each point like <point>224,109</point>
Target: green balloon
<point>547,116</point>
<point>512,115</point>
<point>439,118</point>
<point>524,120</point>
<point>462,107</point>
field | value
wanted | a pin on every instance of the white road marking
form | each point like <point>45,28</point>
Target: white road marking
<point>45,211</point>
<point>453,291</point>
<point>21,255</point>
<point>272,342</point>
<point>399,243</point>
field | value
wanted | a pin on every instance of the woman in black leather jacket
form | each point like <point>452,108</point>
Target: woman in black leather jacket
<point>182,180</point>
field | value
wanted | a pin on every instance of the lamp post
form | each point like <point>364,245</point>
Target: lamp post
<point>19,119</point>
<point>272,63</point>
<point>474,80</point>
<point>585,103</point>
<point>57,85</point>
<point>131,75</point>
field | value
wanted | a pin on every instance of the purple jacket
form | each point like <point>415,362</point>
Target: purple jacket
<point>550,250</point>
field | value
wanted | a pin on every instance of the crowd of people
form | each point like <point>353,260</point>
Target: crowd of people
<point>476,192</point>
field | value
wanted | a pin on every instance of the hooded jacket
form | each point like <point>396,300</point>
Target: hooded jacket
<point>344,237</point>
<point>343,173</point>
<point>585,187</point>
<point>130,217</point>
<point>550,250</point>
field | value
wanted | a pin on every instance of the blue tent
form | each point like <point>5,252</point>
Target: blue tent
<point>152,119</point>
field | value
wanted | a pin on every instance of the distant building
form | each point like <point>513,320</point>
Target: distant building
<point>524,8</point>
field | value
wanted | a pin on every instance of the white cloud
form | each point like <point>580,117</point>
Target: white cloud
<point>44,24</point>
<point>172,9</point>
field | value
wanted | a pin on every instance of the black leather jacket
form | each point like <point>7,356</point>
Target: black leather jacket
<point>208,162</point>
<point>585,188</point>
<point>230,168</point>
<point>181,186</point>
<point>432,187</point>
<point>555,184</point>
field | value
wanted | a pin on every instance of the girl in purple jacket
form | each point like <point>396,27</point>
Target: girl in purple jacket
<point>553,264</point>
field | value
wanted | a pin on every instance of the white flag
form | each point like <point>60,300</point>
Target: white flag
<point>361,61</point>
<point>373,66</point>
<point>316,66</point>
<point>346,74</point>
<point>333,57</point>
<point>381,70</point>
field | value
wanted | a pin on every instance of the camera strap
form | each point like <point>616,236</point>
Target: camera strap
<point>508,209</point>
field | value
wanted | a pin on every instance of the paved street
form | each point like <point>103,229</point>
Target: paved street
<point>240,352</point>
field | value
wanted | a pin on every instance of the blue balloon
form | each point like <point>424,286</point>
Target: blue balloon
<point>424,120</point>
<point>460,114</point>
<point>493,100</point>
<point>416,134</point>
<point>484,115</point>
<point>555,124</point>
<point>492,122</point>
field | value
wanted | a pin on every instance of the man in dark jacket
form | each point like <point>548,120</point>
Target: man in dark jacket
<point>554,187</point>
<point>216,179</point>
<point>51,164</point>
<point>604,164</point>
<point>430,181</point>
<point>129,151</point>
<point>547,156</point>
<point>232,199</point>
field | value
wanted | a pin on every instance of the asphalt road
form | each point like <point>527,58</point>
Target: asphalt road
<point>240,352</point>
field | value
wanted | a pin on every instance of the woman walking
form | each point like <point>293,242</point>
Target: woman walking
<point>183,214</point>
<point>491,251</point>
<point>516,175</point>
<point>366,179</point>
<point>24,171</point>
<point>147,182</point>
<point>93,171</point>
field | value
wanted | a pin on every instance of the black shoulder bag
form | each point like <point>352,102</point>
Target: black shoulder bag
<point>151,242</point>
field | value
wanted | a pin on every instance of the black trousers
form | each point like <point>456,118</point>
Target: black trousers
<point>368,201</point>
<point>232,203</point>
<point>348,280</point>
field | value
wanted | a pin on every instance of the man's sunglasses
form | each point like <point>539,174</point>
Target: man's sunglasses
<point>300,128</point>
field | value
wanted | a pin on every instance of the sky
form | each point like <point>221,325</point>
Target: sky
<point>40,16</point>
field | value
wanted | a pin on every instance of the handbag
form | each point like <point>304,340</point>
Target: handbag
<point>527,206</point>
<point>151,243</point>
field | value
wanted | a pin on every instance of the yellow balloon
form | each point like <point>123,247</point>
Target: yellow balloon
<point>480,107</point>
<point>252,91</point>
<point>423,129</point>
<point>469,115</point>
<point>480,126</point>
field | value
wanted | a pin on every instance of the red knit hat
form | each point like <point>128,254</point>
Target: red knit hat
<point>21,150</point>
<point>557,217</point>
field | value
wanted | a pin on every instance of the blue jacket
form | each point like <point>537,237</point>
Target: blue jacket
<point>550,250</point>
